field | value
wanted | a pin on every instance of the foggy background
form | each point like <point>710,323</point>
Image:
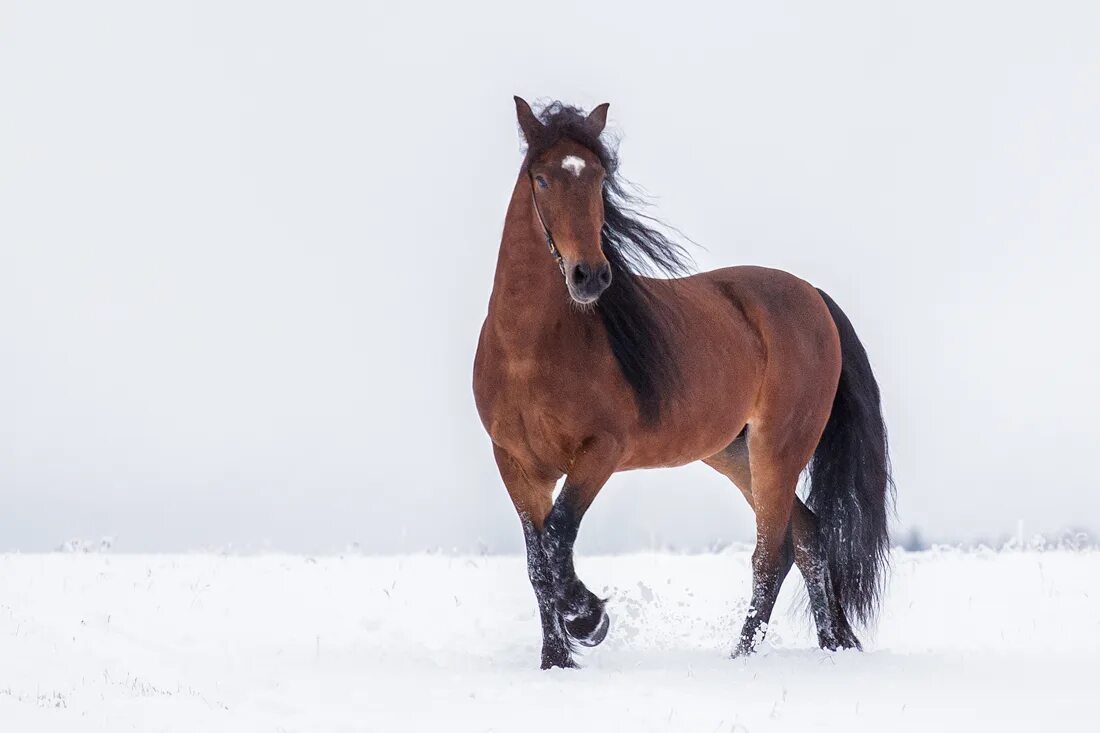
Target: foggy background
<point>246,248</point>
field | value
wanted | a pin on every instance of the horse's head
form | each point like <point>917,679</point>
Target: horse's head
<point>567,189</point>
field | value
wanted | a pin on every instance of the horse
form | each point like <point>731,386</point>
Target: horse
<point>600,353</point>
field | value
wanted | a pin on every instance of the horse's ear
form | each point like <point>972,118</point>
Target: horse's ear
<point>597,118</point>
<point>528,123</point>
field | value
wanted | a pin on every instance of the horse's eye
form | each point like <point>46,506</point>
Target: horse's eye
<point>542,182</point>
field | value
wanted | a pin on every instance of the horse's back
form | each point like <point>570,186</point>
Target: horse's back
<point>780,305</point>
<point>800,340</point>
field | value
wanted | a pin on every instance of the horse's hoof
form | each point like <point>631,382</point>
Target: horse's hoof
<point>586,635</point>
<point>742,650</point>
<point>556,654</point>
<point>558,664</point>
<point>838,642</point>
<point>561,661</point>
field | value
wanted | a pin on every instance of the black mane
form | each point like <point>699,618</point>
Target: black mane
<point>639,326</point>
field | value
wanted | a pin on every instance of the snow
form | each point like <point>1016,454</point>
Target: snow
<point>968,640</point>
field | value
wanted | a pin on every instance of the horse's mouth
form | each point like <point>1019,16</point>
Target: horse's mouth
<point>584,300</point>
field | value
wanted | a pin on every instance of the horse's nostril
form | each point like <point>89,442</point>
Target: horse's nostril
<point>580,274</point>
<point>605,276</point>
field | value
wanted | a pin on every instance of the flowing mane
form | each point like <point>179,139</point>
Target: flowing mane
<point>639,325</point>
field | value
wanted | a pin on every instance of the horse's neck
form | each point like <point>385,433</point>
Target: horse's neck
<point>528,292</point>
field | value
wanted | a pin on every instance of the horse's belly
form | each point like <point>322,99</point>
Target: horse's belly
<point>698,426</point>
<point>691,445</point>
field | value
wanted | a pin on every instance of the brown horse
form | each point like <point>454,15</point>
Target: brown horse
<point>585,367</point>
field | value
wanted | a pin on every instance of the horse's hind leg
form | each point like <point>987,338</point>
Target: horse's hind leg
<point>773,497</point>
<point>803,544</point>
<point>833,630</point>
<point>733,463</point>
<point>770,492</point>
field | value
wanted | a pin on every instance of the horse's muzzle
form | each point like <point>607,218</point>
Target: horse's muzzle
<point>587,282</point>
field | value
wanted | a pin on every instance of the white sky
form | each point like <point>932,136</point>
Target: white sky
<point>246,247</point>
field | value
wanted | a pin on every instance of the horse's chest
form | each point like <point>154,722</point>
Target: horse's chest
<point>536,410</point>
<point>521,415</point>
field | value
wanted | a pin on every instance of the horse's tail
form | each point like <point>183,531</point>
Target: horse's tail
<point>850,484</point>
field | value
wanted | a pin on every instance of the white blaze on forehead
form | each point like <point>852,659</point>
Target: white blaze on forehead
<point>573,164</point>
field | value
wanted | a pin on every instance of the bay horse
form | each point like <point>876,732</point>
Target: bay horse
<point>586,366</point>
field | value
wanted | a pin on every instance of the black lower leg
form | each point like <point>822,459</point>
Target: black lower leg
<point>770,568</point>
<point>833,630</point>
<point>845,637</point>
<point>556,647</point>
<point>581,612</point>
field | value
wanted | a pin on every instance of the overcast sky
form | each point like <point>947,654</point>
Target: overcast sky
<point>246,248</point>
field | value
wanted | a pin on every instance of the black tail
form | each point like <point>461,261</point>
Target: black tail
<point>850,484</point>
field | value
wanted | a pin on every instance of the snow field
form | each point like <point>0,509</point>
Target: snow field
<point>975,640</point>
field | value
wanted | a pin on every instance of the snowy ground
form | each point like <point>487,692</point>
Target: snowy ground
<point>968,641</point>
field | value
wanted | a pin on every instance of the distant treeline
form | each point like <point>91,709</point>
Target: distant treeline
<point>913,540</point>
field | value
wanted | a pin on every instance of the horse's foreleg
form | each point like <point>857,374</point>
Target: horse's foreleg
<point>582,613</point>
<point>532,499</point>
